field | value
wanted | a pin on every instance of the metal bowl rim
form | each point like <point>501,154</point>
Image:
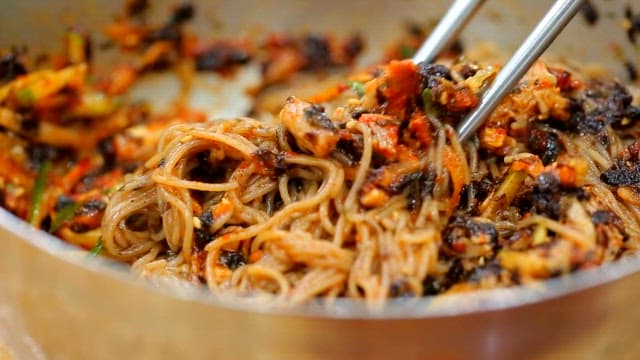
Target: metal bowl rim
<point>415,308</point>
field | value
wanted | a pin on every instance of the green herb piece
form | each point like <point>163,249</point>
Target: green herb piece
<point>25,97</point>
<point>76,45</point>
<point>430,107</point>
<point>38,192</point>
<point>62,216</point>
<point>97,248</point>
<point>356,86</point>
<point>406,51</point>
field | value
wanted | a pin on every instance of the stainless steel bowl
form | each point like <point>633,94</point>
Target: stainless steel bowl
<point>57,302</point>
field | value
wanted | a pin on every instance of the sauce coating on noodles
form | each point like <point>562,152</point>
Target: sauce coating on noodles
<point>360,189</point>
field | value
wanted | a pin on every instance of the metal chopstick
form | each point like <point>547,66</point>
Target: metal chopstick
<point>536,43</point>
<point>447,29</point>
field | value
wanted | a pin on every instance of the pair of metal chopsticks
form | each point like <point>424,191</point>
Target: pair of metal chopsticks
<point>535,44</point>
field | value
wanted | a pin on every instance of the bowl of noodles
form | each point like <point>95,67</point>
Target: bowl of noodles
<point>276,179</point>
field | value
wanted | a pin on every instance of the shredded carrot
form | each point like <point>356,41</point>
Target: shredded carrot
<point>222,208</point>
<point>221,273</point>
<point>191,115</point>
<point>10,169</point>
<point>155,52</point>
<point>459,247</point>
<point>76,173</point>
<point>127,34</point>
<point>456,170</point>
<point>531,165</point>
<point>230,246</point>
<point>401,82</point>
<point>328,94</point>
<point>189,45</point>
<point>121,79</point>
<point>108,179</point>
<point>463,99</point>
<point>420,128</point>
<point>255,256</point>
<point>385,133</point>
<point>493,138</point>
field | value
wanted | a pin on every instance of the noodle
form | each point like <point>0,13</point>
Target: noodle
<point>285,227</point>
<point>364,191</point>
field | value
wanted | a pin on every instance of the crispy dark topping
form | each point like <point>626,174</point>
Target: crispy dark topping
<point>205,171</point>
<point>456,273</point>
<point>11,67</point>
<point>206,219</point>
<point>201,235</point>
<point>38,153</point>
<point>457,48</point>
<point>467,71</point>
<point>343,153</point>
<point>589,13</point>
<point>169,32</point>
<point>316,116</point>
<point>633,112</point>
<point>490,269</point>
<point>604,217</point>
<point>353,46</point>
<point>414,29</point>
<point>108,152</point>
<point>461,229</point>
<point>418,185</point>
<point>432,286</point>
<point>430,74</point>
<point>400,288</point>
<point>632,70</point>
<point>220,57</point>
<point>482,188</point>
<point>634,23</point>
<point>563,78</point>
<point>626,169</point>
<point>473,194</point>
<point>544,198</point>
<point>232,259</point>
<point>136,7</point>
<point>63,201</point>
<point>182,13</point>
<point>91,207</point>
<point>545,144</point>
<point>281,164</point>
<point>201,238</point>
<point>621,174</point>
<point>398,185</point>
<point>30,124</point>
<point>316,51</point>
<point>601,105</point>
<point>548,182</point>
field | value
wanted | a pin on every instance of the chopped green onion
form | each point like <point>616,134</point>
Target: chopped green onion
<point>38,193</point>
<point>97,248</point>
<point>25,97</point>
<point>95,104</point>
<point>430,107</point>
<point>76,44</point>
<point>356,86</point>
<point>406,51</point>
<point>539,235</point>
<point>66,213</point>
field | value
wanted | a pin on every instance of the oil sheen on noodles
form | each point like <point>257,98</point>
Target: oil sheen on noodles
<point>271,211</point>
<point>300,221</point>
